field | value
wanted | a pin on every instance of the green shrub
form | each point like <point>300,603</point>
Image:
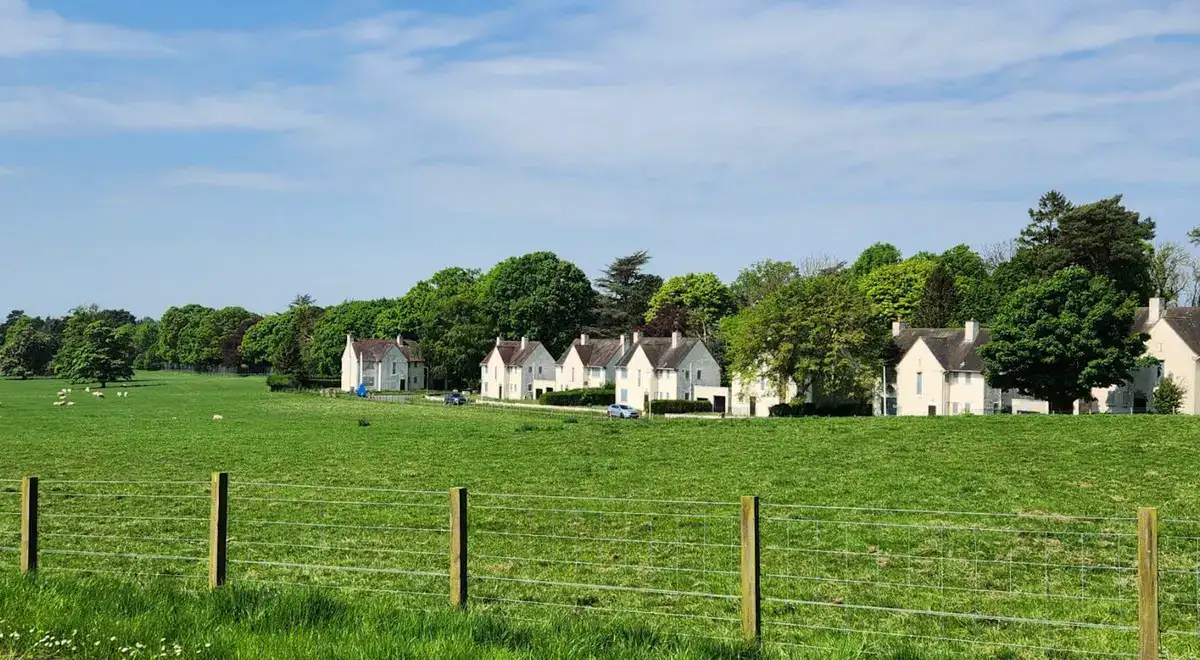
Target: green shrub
<point>598,396</point>
<point>282,383</point>
<point>823,409</point>
<point>784,410</point>
<point>320,383</point>
<point>363,421</point>
<point>1168,396</point>
<point>679,406</point>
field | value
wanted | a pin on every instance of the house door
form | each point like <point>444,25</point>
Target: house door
<point>719,404</point>
<point>933,411</point>
<point>537,394</point>
<point>753,406</point>
<point>403,385</point>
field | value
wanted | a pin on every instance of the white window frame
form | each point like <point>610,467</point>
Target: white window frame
<point>920,383</point>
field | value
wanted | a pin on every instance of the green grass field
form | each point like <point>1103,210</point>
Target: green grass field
<point>315,570</point>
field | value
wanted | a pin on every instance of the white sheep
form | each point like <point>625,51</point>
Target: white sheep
<point>59,403</point>
<point>217,418</point>
<point>70,403</point>
<point>87,389</point>
<point>68,390</point>
<point>98,395</point>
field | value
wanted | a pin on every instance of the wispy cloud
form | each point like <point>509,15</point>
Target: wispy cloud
<point>24,31</point>
<point>666,114</point>
<point>8,171</point>
<point>212,178</point>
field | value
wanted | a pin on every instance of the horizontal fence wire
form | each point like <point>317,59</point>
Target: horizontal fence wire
<point>260,484</point>
<point>833,577</point>
<point>1179,586</point>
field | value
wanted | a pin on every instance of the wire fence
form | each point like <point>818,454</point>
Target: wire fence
<point>832,579</point>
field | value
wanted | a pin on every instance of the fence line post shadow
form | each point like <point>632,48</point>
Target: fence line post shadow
<point>751,596</point>
<point>29,524</point>
<point>1147,565</point>
<point>218,529</point>
<point>458,548</point>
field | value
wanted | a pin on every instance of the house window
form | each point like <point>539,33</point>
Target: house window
<point>954,377</point>
<point>762,384</point>
<point>639,377</point>
<point>529,370</point>
<point>699,374</point>
<point>572,373</point>
<point>968,378</point>
<point>966,407</point>
<point>393,368</point>
<point>954,409</point>
<point>539,370</point>
<point>623,372</point>
<point>624,396</point>
<point>920,382</point>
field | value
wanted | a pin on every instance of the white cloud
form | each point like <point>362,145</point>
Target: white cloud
<point>25,31</point>
<point>687,110</point>
<point>211,178</point>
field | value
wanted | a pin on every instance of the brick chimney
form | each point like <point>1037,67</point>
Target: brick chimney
<point>1156,311</point>
<point>898,327</point>
<point>583,339</point>
<point>524,343</point>
<point>971,332</point>
<point>675,335</point>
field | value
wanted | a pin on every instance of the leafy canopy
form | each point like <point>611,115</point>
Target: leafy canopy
<point>818,332</point>
<point>1058,338</point>
<point>704,297</point>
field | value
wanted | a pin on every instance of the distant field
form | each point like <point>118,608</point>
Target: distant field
<point>666,558</point>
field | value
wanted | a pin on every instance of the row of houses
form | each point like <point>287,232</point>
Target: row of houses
<point>938,370</point>
<point>639,368</point>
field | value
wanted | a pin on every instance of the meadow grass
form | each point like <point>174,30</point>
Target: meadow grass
<point>674,564</point>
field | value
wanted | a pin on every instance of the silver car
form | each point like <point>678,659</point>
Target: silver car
<point>622,410</point>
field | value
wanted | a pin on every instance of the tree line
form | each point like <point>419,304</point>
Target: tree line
<point>820,323</point>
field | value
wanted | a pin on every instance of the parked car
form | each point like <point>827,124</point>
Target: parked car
<point>622,410</point>
<point>455,399</point>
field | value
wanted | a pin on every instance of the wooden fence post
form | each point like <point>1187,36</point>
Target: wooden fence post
<point>751,598</point>
<point>1147,584</point>
<point>218,529</point>
<point>29,524</point>
<point>458,548</point>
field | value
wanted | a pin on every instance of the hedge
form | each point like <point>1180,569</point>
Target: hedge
<point>282,383</point>
<point>678,406</point>
<point>798,409</point>
<point>601,396</point>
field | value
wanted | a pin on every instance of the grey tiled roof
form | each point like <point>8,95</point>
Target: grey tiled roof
<point>660,352</point>
<point>596,353</point>
<point>1185,321</point>
<point>512,353</point>
<point>373,350</point>
<point>947,346</point>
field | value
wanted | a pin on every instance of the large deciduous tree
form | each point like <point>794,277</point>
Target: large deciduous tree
<point>625,290</point>
<point>103,354</point>
<point>760,280</point>
<point>539,296</point>
<point>24,350</point>
<point>1171,271</point>
<point>875,257</point>
<point>356,317</point>
<point>1058,338</point>
<point>706,299</point>
<point>817,332</point>
<point>896,290</point>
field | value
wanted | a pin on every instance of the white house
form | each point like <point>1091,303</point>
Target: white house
<point>754,398</point>
<point>664,368</point>
<point>516,370</point>
<point>940,373</point>
<point>590,363</point>
<point>1174,340</point>
<point>382,365</point>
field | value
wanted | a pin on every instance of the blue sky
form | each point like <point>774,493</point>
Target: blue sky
<point>156,153</point>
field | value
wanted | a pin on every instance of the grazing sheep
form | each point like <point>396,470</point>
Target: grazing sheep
<point>70,403</point>
<point>59,403</point>
<point>217,418</point>
<point>87,389</point>
<point>62,395</point>
<point>98,395</point>
<point>68,390</point>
